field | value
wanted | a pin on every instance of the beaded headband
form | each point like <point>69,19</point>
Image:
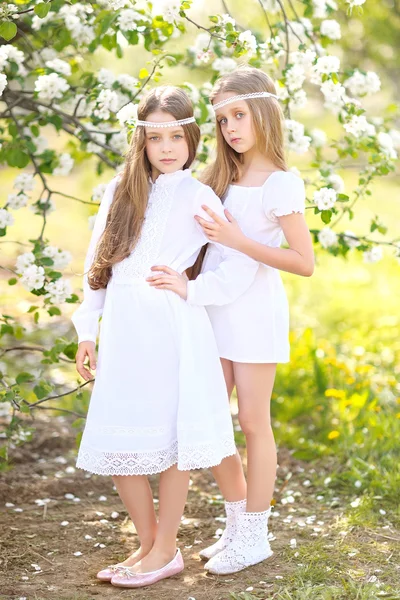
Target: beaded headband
<point>166,124</point>
<point>244,97</point>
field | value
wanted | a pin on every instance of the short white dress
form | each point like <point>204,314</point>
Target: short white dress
<point>255,327</point>
<point>159,397</point>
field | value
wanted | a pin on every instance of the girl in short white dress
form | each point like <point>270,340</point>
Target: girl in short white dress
<point>264,202</point>
<point>159,403</point>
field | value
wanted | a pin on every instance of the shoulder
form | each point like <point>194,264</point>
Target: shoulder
<point>286,180</point>
<point>204,191</point>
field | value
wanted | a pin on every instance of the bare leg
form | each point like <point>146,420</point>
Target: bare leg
<point>254,384</point>
<point>135,493</point>
<point>174,485</point>
<point>229,473</point>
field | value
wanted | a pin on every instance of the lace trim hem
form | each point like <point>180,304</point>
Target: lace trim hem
<point>201,456</point>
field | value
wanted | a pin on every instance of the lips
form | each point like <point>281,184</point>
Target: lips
<point>168,161</point>
<point>235,140</point>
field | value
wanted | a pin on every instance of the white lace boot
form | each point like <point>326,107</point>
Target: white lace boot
<point>250,546</point>
<point>232,510</point>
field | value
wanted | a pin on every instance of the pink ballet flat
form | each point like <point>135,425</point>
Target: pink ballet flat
<point>129,579</point>
<point>108,573</point>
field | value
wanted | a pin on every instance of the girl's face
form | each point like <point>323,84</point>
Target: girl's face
<point>236,123</point>
<point>166,147</point>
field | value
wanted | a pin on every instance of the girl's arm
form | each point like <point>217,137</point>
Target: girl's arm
<point>297,259</point>
<point>86,317</point>
<point>233,276</point>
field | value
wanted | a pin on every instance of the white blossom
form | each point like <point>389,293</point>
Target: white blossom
<point>336,182</point>
<point>24,261</point>
<point>127,82</point>
<point>327,237</point>
<point>249,41</point>
<point>16,201</point>
<point>296,140</point>
<point>106,77</point>
<point>24,182</point>
<point>225,19</point>
<point>363,84</point>
<point>98,192</point>
<point>395,135</point>
<point>10,54</point>
<point>6,218</point>
<point>224,65</point>
<point>359,126</point>
<point>331,29</point>
<point>37,22</point>
<point>319,137</point>
<point>321,8</point>
<point>51,86</point>
<point>325,198</point>
<point>386,144</point>
<point>116,4</point>
<point>60,258</point>
<point>100,138</point>
<point>33,278</point>
<point>128,114</point>
<point>295,77</point>
<point>304,59</point>
<point>334,93</point>
<point>351,239</point>
<point>168,9</point>
<point>127,19</point>
<point>91,222</point>
<point>271,6</point>
<point>119,141</point>
<point>3,83</point>
<point>325,65</point>
<point>373,255</point>
<point>66,162</point>
<point>61,66</point>
<point>58,291</point>
<point>107,101</point>
<point>355,2</point>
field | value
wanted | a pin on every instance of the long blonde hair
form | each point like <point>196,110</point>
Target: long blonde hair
<point>267,119</point>
<point>128,208</point>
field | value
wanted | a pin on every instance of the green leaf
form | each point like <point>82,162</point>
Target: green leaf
<point>23,377</point>
<point>70,350</point>
<point>5,328</point>
<point>8,30</point>
<point>24,408</point>
<point>326,216</point>
<point>41,390</point>
<point>42,10</point>
<point>54,310</point>
<point>342,198</point>
<point>17,158</point>
<point>12,281</point>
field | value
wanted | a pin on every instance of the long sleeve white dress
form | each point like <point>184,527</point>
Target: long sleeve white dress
<point>159,397</point>
<point>254,328</point>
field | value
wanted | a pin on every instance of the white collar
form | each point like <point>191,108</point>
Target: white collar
<point>168,178</point>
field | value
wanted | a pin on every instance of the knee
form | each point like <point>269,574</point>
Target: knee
<point>253,424</point>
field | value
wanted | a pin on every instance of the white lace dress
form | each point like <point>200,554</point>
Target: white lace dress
<point>159,397</point>
<point>254,328</point>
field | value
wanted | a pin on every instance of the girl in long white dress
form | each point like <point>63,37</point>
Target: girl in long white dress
<point>159,403</point>
<point>265,201</point>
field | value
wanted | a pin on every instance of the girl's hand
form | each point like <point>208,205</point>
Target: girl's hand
<point>86,349</point>
<point>227,233</point>
<point>169,280</point>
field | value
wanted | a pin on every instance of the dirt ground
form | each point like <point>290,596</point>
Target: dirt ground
<point>38,547</point>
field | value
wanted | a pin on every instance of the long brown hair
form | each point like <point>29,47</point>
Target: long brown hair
<point>267,119</point>
<point>127,211</point>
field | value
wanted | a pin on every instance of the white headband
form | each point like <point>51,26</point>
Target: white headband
<point>244,97</point>
<point>166,124</point>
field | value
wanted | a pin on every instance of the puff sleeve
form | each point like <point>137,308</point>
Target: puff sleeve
<point>235,272</point>
<point>86,317</point>
<point>285,196</point>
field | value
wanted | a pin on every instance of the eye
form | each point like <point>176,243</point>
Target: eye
<point>222,121</point>
<point>239,115</point>
<point>153,138</point>
<point>178,136</point>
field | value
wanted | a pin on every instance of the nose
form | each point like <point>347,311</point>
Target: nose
<point>231,127</point>
<point>166,147</point>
